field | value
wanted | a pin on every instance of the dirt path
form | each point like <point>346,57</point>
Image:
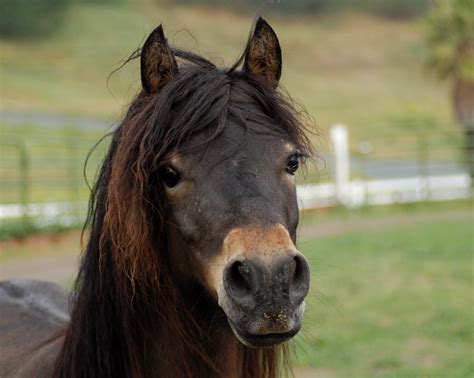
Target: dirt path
<point>62,267</point>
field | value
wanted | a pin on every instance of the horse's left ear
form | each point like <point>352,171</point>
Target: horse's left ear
<point>263,53</point>
<point>158,65</point>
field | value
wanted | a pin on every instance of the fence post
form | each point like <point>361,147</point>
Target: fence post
<point>340,143</point>
<point>24,181</point>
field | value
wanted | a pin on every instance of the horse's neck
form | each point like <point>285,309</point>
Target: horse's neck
<point>218,345</point>
<point>224,352</point>
<point>231,355</point>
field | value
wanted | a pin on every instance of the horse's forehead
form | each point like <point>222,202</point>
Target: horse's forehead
<point>242,143</point>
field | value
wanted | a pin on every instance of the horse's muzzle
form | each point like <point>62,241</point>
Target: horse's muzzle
<point>264,302</point>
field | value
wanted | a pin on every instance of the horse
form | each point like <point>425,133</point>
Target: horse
<point>190,268</point>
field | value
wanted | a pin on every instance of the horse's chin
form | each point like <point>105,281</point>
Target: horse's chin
<point>260,332</point>
<point>262,341</point>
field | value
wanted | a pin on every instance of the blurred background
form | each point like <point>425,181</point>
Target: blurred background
<point>387,217</point>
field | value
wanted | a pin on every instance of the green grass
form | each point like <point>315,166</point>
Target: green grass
<point>391,303</point>
<point>348,68</point>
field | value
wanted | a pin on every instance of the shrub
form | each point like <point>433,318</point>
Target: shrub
<point>31,18</point>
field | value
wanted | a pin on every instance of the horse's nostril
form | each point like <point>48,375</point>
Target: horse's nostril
<point>299,281</point>
<point>298,272</point>
<point>240,277</point>
<point>242,282</point>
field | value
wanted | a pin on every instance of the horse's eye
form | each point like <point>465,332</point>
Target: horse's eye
<point>169,176</point>
<point>293,164</point>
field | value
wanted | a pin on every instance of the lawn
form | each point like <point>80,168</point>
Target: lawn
<point>391,302</point>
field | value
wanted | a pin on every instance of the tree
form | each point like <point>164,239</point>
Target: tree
<point>450,42</point>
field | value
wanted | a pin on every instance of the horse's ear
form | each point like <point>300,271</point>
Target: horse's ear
<point>263,53</point>
<point>158,65</point>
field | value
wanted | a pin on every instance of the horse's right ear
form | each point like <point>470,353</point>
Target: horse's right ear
<point>158,65</point>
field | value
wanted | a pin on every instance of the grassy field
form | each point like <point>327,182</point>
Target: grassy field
<point>385,302</point>
<point>391,302</point>
<point>351,68</point>
<point>394,301</point>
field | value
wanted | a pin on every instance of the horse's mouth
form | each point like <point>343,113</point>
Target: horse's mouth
<point>266,340</point>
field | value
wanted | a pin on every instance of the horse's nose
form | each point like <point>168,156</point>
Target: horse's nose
<point>250,283</point>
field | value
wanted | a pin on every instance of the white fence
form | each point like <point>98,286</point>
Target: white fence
<point>357,192</point>
<point>342,190</point>
<point>384,192</point>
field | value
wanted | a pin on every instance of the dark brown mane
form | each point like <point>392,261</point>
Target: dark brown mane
<point>126,297</point>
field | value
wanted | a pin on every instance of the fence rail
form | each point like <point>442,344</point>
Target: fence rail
<point>388,191</point>
<point>379,182</point>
